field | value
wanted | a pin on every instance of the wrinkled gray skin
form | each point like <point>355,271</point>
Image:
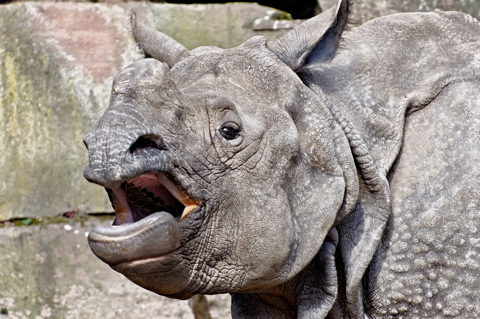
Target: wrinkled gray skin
<point>331,175</point>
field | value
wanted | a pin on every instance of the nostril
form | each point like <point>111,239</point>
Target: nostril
<point>85,143</point>
<point>148,141</point>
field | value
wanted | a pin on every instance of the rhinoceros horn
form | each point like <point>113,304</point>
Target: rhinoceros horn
<point>158,45</point>
<point>319,36</point>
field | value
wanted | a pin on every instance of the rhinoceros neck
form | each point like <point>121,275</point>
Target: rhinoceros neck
<point>310,294</point>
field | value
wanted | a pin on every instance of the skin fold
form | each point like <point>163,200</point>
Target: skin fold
<point>327,174</point>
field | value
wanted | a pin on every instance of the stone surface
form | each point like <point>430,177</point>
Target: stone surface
<point>50,272</point>
<point>220,25</point>
<point>326,4</point>
<point>364,10</point>
<point>57,61</point>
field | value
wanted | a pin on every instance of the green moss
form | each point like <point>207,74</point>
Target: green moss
<point>54,220</point>
<point>59,219</point>
<point>12,93</point>
<point>27,221</point>
<point>281,15</point>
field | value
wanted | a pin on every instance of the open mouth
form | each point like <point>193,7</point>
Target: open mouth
<point>147,194</point>
<point>149,209</point>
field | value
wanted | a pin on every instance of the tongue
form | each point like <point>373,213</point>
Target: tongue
<point>153,236</point>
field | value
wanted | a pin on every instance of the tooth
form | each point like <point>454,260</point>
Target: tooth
<point>121,207</point>
<point>187,211</point>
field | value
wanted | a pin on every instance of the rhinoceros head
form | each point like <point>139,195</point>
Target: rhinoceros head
<point>224,169</point>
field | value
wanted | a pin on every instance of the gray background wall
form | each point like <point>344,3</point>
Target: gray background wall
<point>57,61</point>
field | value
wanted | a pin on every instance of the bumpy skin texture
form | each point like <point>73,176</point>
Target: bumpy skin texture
<point>425,65</point>
<point>314,203</point>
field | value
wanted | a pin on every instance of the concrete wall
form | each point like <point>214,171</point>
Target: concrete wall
<point>57,62</point>
<point>48,271</point>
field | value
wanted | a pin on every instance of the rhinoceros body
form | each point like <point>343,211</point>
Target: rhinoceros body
<point>320,175</point>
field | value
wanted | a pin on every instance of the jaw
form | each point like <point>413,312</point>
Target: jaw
<point>145,240</point>
<point>157,238</point>
<point>166,275</point>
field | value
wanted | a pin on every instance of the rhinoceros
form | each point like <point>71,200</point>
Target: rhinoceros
<point>326,174</point>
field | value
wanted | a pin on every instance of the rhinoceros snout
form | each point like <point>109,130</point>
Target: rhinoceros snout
<point>123,156</point>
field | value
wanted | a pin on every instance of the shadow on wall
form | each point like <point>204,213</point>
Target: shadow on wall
<point>364,10</point>
<point>299,9</point>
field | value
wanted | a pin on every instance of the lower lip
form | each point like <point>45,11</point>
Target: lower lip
<point>155,237</point>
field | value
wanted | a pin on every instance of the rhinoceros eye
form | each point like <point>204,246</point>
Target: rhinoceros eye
<point>229,130</point>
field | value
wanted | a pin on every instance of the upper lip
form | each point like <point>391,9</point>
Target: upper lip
<point>149,193</point>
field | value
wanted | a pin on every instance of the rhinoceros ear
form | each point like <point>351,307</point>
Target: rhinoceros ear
<point>158,45</point>
<point>315,40</point>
